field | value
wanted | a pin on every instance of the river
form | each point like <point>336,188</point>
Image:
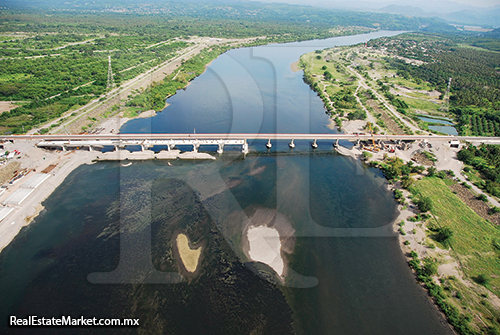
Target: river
<point>103,245</point>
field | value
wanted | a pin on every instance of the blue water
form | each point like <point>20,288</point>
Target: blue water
<point>441,121</point>
<point>249,90</point>
<point>445,129</point>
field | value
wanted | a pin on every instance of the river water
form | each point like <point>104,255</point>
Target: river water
<point>103,245</point>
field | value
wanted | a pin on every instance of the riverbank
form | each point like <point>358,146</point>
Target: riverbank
<point>60,164</point>
<point>57,165</point>
<point>449,268</point>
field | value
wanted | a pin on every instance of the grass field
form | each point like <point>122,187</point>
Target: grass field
<point>422,105</point>
<point>409,83</point>
<point>474,238</point>
<point>317,65</point>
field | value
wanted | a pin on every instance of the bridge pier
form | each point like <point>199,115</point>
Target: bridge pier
<point>220,150</point>
<point>196,146</point>
<point>268,144</point>
<point>291,144</point>
<point>357,142</point>
<point>63,148</point>
<point>244,148</point>
<point>336,143</point>
<point>90,148</point>
<point>314,144</point>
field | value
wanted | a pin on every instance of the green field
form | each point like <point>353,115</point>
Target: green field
<point>427,106</point>
<point>473,237</point>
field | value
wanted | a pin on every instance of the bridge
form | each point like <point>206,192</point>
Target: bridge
<point>147,141</point>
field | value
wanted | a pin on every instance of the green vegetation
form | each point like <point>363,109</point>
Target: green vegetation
<point>424,204</point>
<point>154,96</point>
<point>367,155</point>
<point>56,57</point>
<point>472,236</point>
<point>394,168</point>
<point>425,270</point>
<point>486,160</point>
<point>474,243</point>
<point>475,85</point>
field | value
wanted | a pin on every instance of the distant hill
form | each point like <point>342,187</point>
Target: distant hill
<point>405,10</point>
<point>477,16</point>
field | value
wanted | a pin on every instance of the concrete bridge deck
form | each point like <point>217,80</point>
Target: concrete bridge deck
<point>241,136</point>
<point>147,141</point>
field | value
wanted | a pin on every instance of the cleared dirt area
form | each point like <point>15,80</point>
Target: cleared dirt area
<point>7,172</point>
<point>6,106</point>
<point>391,125</point>
<point>478,206</point>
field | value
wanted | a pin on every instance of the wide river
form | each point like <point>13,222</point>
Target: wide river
<point>104,245</point>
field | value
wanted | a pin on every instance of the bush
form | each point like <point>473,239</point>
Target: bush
<point>482,197</point>
<point>444,234</point>
<point>442,174</point>
<point>424,204</point>
<point>398,194</point>
<point>406,182</point>
<point>481,279</point>
<point>430,267</point>
<point>367,155</point>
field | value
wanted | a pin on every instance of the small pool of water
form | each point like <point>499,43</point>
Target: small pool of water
<point>445,129</point>
<point>441,121</point>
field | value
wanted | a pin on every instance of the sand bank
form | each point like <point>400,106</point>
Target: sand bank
<point>265,247</point>
<point>268,236</point>
<point>295,67</point>
<point>189,257</point>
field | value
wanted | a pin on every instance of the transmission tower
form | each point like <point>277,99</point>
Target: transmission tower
<point>446,99</point>
<point>111,81</point>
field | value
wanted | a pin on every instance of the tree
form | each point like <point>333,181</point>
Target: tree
<point>367,155</point>
<point>482,197</point>
<point>417,169</point>
<point>444,234</point>
<point>406,181</point>
<point>431,171</point>
<point>424,204</point>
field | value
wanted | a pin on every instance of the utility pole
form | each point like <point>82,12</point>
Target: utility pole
<point>446,99</point>
<point>111,81</point>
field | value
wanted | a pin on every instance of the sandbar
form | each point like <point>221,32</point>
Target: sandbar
<point>189,257</point>
<point>265,246</point>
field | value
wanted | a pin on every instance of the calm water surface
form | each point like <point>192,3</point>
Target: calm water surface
<point>346,274</point>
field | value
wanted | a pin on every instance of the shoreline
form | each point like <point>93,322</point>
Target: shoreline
<point>31,207</point>
<point>412,235</point>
